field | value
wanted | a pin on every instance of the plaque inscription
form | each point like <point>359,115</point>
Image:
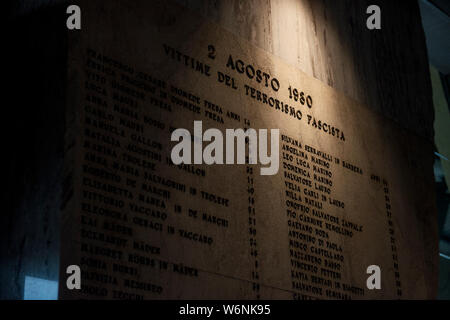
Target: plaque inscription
<point>141,227</point>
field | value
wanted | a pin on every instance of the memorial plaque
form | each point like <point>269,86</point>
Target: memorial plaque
<point>141,227</point>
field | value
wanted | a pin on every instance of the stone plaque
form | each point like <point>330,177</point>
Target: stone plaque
<point>349,193</point>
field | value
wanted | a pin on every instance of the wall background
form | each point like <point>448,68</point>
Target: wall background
<point>387,70</point>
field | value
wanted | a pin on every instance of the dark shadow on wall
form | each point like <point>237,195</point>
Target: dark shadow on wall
<point>33,133</point>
